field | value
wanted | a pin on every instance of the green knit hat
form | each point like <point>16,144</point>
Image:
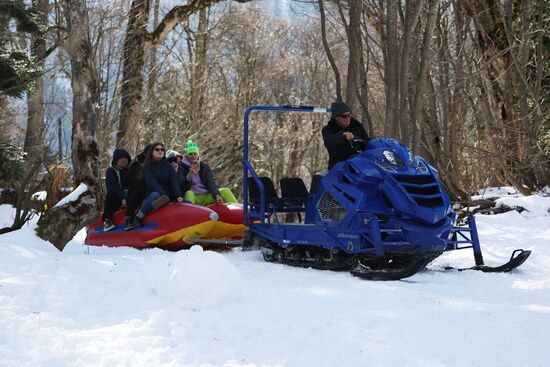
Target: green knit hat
<point>191,147</point>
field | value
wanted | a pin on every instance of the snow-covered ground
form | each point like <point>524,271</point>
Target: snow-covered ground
<point>496,192</point>
<point>124,307</point>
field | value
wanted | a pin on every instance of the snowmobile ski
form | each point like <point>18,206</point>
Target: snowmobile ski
<point>518,257</point>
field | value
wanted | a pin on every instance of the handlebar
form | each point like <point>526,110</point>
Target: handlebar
<point>356,140</point>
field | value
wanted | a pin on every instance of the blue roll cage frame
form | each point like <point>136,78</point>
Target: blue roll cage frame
<point>248,166</point>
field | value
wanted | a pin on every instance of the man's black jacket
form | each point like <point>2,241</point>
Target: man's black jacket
<point>118,179</point>
<point>339,149</point>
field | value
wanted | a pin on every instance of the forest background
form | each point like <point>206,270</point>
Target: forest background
<point>464,83</point>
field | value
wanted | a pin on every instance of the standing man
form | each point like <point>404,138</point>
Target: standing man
<point>340,132</point>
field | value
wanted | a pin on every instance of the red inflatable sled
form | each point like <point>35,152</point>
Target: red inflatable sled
<point>175,226</point>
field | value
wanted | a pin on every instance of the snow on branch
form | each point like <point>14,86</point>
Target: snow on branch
<point>82,188</point>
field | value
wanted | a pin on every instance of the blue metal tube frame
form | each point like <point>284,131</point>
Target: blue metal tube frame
<point>377,239</point>
<point>478,257</point>
<point>247,167</point>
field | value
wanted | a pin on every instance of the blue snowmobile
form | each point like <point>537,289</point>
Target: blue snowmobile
<point>382,214</point>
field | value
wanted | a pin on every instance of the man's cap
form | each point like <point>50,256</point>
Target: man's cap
<point>338,108</point>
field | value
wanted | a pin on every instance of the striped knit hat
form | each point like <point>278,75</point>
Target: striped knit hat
<point>191,147</point>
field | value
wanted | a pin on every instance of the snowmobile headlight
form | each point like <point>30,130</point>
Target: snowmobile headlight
<point>422,167</point>
<point>390,156</point>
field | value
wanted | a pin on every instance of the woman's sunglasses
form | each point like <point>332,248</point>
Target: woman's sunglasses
<point>159,149</point>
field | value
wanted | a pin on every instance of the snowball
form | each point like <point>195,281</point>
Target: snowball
<point>203,279</point>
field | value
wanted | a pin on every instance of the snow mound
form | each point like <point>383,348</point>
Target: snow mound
<point>496,192</point>
<point>7,213</point>
<point>203,279</point>
<point>535,205</point>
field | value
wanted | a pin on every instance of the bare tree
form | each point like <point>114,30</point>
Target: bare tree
<point>198,62</point>
<point>34,135</point>
<point>138,39</point>
<point>391,127</point>
<point>329,52</point>
<point>509,78</point>
<point>82,209</point>
<point>353,30</point>
<point>425,57</point>
<point>106,23</point>
<point>153,67</point>
<point>28,185</point>
<point>412,14</point>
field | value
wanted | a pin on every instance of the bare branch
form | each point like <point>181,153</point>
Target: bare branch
<point>175,16</point>
<point>329,53</point>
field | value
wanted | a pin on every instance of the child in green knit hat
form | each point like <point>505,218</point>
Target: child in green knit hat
<point>204,190</point>
<point>191,147</point>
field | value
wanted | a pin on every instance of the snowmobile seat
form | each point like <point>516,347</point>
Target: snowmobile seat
<point>271,196</point>
<point>315,181</point>
<point>294,192</point>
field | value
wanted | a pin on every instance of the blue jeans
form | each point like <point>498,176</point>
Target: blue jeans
<point>147,206</point>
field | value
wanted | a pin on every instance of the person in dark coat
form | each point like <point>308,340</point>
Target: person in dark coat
<point>203,189</point>
<point>174,158</point>
<point>116,181</point>
<point>340,132</point>
<point>161,181</point>
<point>137,188</point>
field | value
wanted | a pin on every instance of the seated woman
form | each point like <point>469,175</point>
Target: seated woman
<point>161,181</point>
<point>137,190</point>
<point>198,174</point>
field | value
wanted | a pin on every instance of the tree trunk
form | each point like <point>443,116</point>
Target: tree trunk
<point>34,135</point>
<point>153,67</point>
<point>82,209</point>
<point>391,129</point>
<point>132,73</point>
<point>355,50</point>
<point>329,53</point>
<point>425,54</point>
<point>59,140</point>
<point>363,94</point>
<point>412,12</point>
<point>198,81</point>
<point>7,120</point>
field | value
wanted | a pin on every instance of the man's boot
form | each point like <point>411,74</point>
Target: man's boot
<point>128,223</point>
<point>160,202</point>
<point>108,225</point>
<point>137,223</point>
